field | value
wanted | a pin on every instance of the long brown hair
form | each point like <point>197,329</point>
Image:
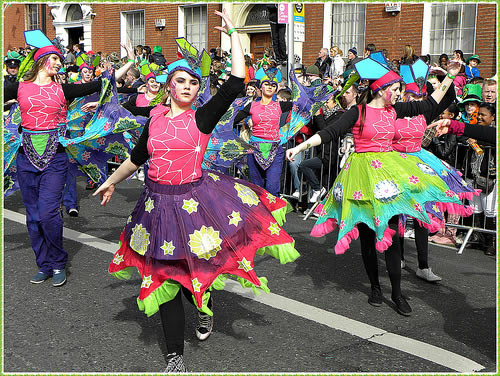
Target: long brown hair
<point>33,72</point>
<point>364,98</point>
<point>166,95</point>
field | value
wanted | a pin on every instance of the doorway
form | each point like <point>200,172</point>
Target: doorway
<point>258,43</point>
<point>75,35</point>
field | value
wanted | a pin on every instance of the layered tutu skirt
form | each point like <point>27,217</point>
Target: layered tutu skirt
<point>453,179</point>
<point>198,234</point>
<point>373,187</point>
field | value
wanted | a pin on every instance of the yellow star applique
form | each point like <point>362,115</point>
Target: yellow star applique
<point>234,218</point>
<point>271,198</point>
<point>190,205</point>
<point>435,208</point>
<point>444,172</point>
<point>245,265</point>
<point>246,194</point>
<point>146,282</point>
<point>274,228</point>
<point>118,259</point>
<point>168,248</point>
<point>150,205</point>
<point>213,176</point>
<point>129,219</point>
<point>196,285</point>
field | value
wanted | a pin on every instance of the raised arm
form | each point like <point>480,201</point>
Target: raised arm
<point>130,62</point>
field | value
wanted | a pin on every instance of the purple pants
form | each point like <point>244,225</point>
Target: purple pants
<point>268,179</point>
<point>42,193</point>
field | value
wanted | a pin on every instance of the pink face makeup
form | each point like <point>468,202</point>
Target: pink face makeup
<point>388,96</point>
<point>173,87</point>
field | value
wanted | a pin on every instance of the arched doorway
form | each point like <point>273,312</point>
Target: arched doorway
<point>257,20</point>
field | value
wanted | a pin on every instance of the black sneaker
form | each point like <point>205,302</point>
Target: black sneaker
<point>376,297</point>
<point>402,306</point>
<point>205,326</point>
<point>73,212</point>
<point>175,363</point>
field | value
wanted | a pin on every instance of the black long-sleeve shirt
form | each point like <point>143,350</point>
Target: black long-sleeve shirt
<point>350,117</point>
<point>71,91</point>
<point>207,116</point>
<point>245,112</point>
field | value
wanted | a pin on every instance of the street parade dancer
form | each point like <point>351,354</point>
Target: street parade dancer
<point>408,139</point>
<point>190,227</point>
<point>378,184</point>
<point>41,162</point>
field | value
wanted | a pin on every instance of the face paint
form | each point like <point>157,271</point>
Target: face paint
<point>388,96</point>
<point>173,87</point>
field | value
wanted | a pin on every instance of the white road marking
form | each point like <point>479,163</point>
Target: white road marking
<point>332,320</point>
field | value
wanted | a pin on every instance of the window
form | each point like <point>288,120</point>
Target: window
<point>134,26</point>
<point>258,15</point>
<point>74,13</point>
<point>452,27</point>
<point>348,26</point>
<point>196,25</point>
<point>32,16</point>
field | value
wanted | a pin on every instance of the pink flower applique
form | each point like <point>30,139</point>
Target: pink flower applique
<point>86,155</point>
<point>357,195</point>
<point>403,155</point>
<point>342,225</point>
<point>449,193</point>
<point>376,164</point>
<point>418,208</point>
<point>101,140</point>
<point>413,179</point>
<point>107,126</point>
<point>376,220</point>
<point>347,165</point>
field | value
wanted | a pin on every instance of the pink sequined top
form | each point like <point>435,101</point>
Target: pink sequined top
<point>176,147</point>
<point>266,120</point>
<point>43,107</point>
<point>408,134</point>
<point>378,130</point>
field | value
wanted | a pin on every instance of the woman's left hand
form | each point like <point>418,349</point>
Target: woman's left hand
<point>227,21</point>
<point>454,67</point>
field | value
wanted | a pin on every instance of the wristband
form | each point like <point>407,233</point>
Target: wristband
<point>450,76</point>
<point>230,31</point>
<point>130,61</point>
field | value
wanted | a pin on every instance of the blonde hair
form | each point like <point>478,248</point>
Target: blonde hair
<point>337,50</point>
<point>408,51</point>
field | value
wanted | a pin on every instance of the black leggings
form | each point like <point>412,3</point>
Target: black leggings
<point>392,257</point>
<point>422,244</point>
<point>173,321</point>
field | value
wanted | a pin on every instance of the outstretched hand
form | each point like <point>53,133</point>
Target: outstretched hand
<point>105,191</point>
<point>454,67</point>
<point>228,24</point>
<point>442,126</point>
<point>128,48</point>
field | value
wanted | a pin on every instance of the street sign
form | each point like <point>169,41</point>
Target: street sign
<point>299,29</point>
<point>283,13</point>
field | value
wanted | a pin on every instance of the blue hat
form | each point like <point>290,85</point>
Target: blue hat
<point>196,64</point>
<point>415,77</point>
<point>270,75</point>
<point>376,67</point>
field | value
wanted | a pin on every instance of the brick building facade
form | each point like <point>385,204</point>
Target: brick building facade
<point>103,27</point>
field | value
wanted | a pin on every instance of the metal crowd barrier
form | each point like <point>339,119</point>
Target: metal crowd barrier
<point>461,161</point>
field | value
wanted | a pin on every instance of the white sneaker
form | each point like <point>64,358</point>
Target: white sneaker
<point>296,195</point>
<point>427,275</point>
<point>317,195</point>
<point>205,326</point>
<point>403,264</point>
<point>313,214</point>
<point>410,233</point>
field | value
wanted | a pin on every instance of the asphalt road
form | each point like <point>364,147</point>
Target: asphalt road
<point>316,318</point>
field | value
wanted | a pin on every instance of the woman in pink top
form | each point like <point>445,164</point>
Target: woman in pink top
<point>190,227</point>
<point>42,162</point>
<point>377,184</point>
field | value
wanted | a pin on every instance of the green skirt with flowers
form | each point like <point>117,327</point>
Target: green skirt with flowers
<point>373,187</point>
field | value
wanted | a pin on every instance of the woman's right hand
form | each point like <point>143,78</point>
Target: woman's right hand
<point>105,191</point>
<point>442,126</point>
<point>291,153</point>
